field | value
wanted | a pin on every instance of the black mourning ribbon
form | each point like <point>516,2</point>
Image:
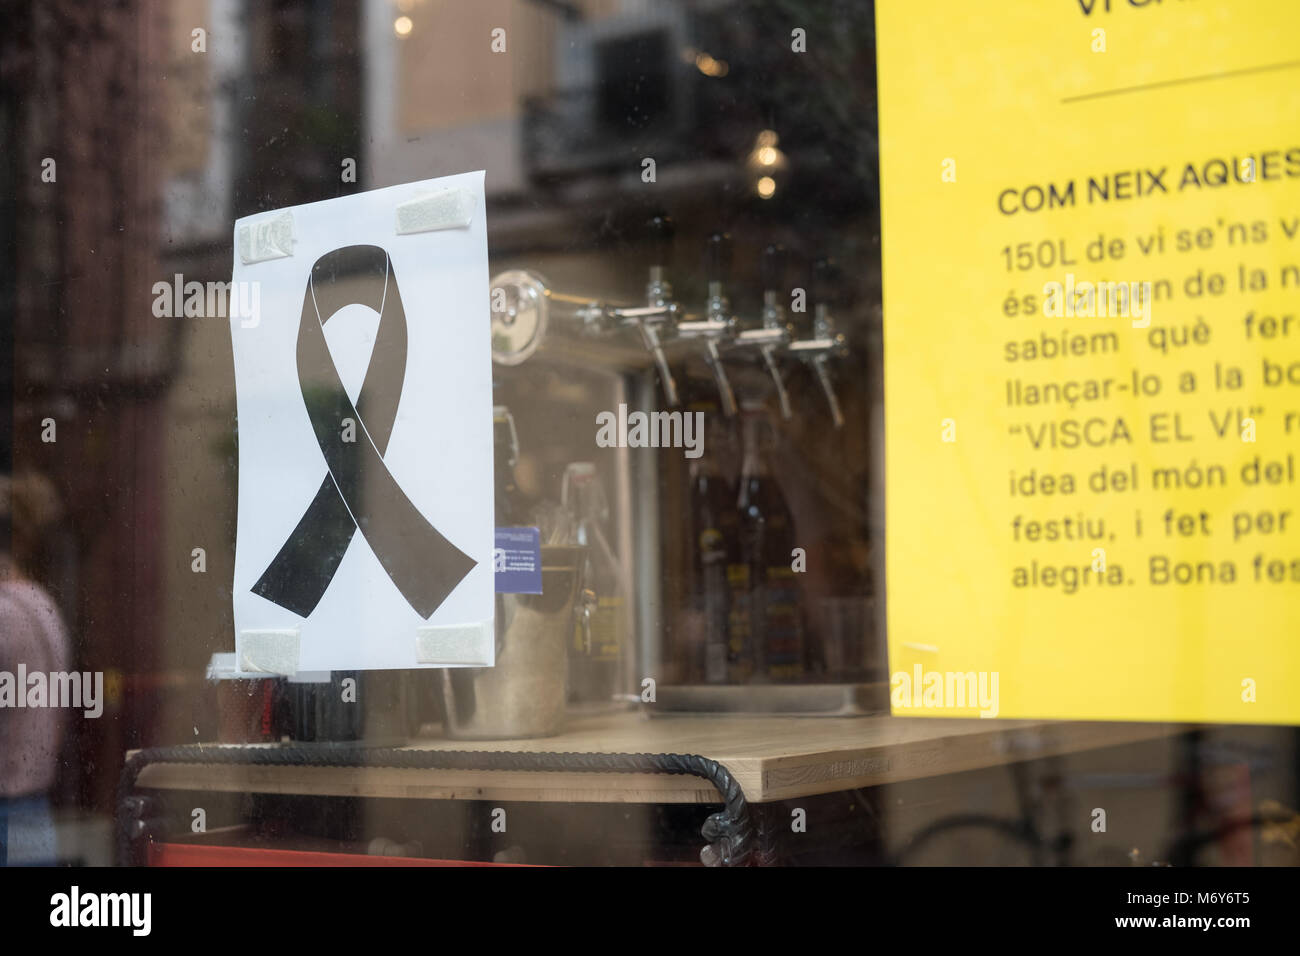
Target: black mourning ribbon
<point>358,492</point>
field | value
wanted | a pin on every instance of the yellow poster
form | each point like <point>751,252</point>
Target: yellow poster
<point>1091,250</point>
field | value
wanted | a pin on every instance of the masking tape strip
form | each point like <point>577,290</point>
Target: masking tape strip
<point>269,651</point>
<point>448,209</point>
<point>311,677</point>
<point>268,238</point>
<point>455,644</point>
<point>222,667</point>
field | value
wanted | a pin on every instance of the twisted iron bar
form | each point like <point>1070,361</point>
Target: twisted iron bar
<point>730,832</point>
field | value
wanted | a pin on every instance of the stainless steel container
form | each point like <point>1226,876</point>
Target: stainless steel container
<point>524,694</point>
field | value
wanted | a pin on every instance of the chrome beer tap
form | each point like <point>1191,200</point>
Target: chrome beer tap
<point>774,334</point>
<point>826,344</point>
<point>719,323</point>
<point>660,311</point>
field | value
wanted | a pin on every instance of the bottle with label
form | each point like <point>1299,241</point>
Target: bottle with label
<point>767,539</point>
<point>596,656</point>
<point>714,549</point>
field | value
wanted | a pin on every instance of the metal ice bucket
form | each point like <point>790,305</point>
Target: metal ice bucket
<point>524,694</point>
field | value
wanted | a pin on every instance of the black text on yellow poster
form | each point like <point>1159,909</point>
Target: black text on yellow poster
<point>1091,252</point>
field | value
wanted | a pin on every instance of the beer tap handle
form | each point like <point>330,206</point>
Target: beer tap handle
<point>783,399</point>
<point>661,230</point>
<point>717,266</point>
<point>828,388</point>
<point>660,307</point>
<point>772,272</point>
<point>650,338</point>
<point>725,394</point>
<point>826,289</point>
<point>717,261</point>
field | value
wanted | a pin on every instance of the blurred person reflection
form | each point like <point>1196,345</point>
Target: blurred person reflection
<point>31,634</point>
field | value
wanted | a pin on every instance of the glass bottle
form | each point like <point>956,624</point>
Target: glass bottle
<point>596,656</point>
<point>714,549</point>
<point>767,540</point>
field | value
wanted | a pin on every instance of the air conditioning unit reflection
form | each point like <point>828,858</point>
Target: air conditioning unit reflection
<point>623,91</point>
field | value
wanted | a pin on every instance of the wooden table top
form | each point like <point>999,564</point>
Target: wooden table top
<point>773,758</point>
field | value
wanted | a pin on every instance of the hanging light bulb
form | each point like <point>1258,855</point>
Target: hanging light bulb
<point>766,164</point>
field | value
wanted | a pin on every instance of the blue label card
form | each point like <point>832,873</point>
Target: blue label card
<point>517,560</point>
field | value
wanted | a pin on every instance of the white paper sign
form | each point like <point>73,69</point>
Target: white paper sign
<point>363,376</point>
